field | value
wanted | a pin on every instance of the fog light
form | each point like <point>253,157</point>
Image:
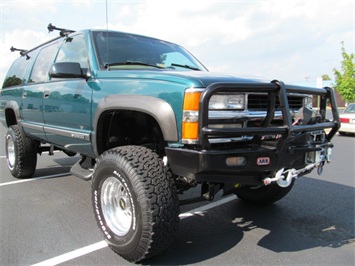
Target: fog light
<point>236,161</point>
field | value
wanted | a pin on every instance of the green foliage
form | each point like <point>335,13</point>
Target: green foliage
<point>12,81</point>
<point>326,77</point>
<point>345,78</point>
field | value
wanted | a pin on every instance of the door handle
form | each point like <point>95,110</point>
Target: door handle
<point>46,94</point>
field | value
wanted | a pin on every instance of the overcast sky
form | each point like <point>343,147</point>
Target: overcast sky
<point>289,40</point>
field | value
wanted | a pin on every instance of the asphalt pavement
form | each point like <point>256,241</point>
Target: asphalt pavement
<point>48,220</point>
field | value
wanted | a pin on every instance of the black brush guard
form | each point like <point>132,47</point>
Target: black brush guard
<point>205,163</point>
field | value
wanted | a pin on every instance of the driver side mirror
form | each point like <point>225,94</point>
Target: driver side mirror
<point>68,70</point>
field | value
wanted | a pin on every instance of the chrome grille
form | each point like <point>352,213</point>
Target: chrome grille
<point>259,102</point>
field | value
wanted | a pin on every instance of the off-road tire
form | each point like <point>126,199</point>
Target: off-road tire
<point>264,194</point>
<point>135,202</point>
<point>21,153</point>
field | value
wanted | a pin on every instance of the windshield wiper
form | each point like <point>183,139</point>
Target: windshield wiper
<point>186,66</point>
<point>107,66</point>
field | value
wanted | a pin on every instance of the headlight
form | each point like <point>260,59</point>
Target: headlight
<point>226,101</point>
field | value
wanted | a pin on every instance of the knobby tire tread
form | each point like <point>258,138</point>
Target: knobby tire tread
<point>155,187</point>
<point>26,155</point>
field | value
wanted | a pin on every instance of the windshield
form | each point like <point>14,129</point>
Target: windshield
<point>350,109</point>
<point>116,50</point>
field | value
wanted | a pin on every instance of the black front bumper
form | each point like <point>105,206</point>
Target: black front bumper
<point>212,165</point>
<point>258,160</point>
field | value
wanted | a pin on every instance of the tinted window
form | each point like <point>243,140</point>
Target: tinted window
<point>15,75</point>
<point>44,60</point>
<point>74,49</point>
<point>122,50</point>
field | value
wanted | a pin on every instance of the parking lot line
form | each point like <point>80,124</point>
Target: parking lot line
<point>45,152</point>
<point>202,209</point>
<point>33,179</point>
<point>102,244</point>
<point>73,254</point>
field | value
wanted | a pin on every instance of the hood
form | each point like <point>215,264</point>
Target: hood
<point>198,79</point>
<point>205,78</point>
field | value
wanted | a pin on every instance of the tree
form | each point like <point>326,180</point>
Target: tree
<point>325,77</point>
<point>345,78</point>
<point>12,81</point>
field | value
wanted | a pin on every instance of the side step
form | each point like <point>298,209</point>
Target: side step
<point>83,169</point>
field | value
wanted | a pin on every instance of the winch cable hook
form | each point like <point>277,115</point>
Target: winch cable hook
<point>280,178</point>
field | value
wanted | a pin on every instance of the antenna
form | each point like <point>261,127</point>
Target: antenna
<point>107,50</point>
<point>106,15</point>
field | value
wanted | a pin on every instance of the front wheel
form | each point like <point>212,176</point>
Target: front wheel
<point>263,194</point>
<point>21,153</point>
<point>135,202</point>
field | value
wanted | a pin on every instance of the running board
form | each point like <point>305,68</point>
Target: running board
<point>81,169</point>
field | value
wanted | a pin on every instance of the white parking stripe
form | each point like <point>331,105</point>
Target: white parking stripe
<point>45,152</point>
<point>102,244</point>
<point>32,179</point>
<point>201,210</point>
<point>73,254</point>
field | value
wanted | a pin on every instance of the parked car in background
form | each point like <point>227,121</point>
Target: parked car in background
<point>347,119</point>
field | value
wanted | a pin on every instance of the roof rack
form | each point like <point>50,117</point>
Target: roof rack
<point>23,52</point>
<point>62,32</point>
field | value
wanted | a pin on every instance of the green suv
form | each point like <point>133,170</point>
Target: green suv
<point>149,122</point>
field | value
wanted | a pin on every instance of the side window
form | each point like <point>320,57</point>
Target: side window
<point>16,73</point>
<point>44,60</point>
<point>74,49</point>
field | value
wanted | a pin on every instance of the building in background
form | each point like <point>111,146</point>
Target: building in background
<point>319,83</point>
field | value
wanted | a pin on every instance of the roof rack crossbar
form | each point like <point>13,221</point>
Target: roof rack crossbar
<point>23,52</point>
<point>62,32</point>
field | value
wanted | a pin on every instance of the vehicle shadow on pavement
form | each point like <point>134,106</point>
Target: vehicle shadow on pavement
<point>314,214</point>
<point>59,166</point>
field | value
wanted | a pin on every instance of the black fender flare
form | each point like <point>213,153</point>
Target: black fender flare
<point>157,108</point>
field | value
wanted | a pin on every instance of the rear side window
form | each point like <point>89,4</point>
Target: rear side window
<point>15,75</point>
<point>44,60</point>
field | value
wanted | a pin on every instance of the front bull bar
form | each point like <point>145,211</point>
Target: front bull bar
<point>273,89</point>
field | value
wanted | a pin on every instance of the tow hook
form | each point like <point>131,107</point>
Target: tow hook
<point>284,178</point>
<point>320,168</point>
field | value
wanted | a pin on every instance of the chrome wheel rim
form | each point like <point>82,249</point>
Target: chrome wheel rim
<point>116,206</point>
<point>10,152</point>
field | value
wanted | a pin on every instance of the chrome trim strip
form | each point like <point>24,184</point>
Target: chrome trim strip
<point>32,126</point>
<point>67,133</point>
<point>57,131</point>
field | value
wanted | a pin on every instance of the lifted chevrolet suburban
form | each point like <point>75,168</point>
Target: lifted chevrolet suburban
<point>149,122</point>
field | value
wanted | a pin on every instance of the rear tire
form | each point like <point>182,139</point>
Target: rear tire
<point>263,194</point>
<point>21,153</point>
<point>135,202</point>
